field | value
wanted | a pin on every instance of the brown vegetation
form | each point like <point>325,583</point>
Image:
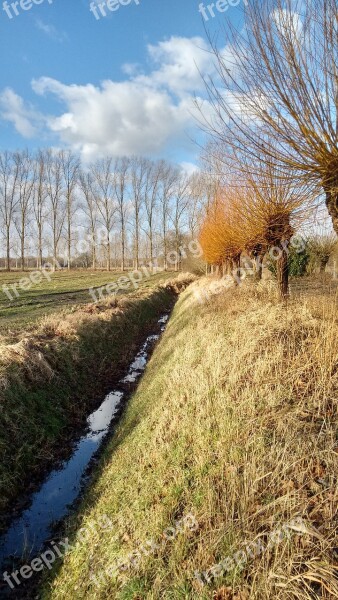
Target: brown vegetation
<point>258,214</point>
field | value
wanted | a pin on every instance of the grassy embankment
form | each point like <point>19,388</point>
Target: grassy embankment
<point>51,378</point>
<point>234,421</point>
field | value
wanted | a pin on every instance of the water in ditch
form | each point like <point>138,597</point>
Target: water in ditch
<point>28,533</point>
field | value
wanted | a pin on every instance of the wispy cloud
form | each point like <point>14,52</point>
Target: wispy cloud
<point>51,31</point>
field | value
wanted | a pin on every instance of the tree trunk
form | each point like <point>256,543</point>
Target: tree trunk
<point>108,254</point>
<point>236,269</point>
<point>123,243</point>
<point>55,244</point>
<point>332,207</point>
<point>69,251</point>
<point>151,249</point>
<point>93,249</point>
<point>177,261</point>
<point>165,250</point>
<point>258,267</point>
<point>23,239</point>
<point>137,243</point>
<point>8,250</point>
<point>283,275</point>
<point>40,246</point>
<point>323,264</point>
<point>54,256</point>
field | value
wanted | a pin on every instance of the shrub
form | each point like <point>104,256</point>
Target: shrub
<point>297,262</point>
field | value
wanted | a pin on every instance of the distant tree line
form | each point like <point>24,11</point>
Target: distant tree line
<point>114,213</point>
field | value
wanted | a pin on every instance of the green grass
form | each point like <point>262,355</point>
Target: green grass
<point>62,290</point>
<point>234,422</point>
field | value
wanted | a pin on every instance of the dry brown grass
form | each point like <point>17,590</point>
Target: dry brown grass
<point>236,422</point>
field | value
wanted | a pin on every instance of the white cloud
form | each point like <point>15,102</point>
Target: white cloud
<point>131,69</point>
<point>181,62</point>
<point>143,114</point>
<point>190,168</point>
<point>13,109</point>
<point>115,118</point>
<point>288,21</point>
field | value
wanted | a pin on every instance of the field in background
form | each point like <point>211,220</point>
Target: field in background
<point>64,290</point>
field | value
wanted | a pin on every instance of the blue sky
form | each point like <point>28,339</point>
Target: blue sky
<point>117,85</point>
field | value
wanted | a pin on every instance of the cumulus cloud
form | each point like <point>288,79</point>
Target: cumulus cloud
<point>115,118</point>
<point>142,114</point>
<point>180,63</point>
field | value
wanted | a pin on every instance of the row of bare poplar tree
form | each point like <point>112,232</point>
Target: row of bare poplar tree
<point>50,206</point>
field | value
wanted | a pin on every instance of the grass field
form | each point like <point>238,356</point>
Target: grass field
<point>64,290</point>
<point>234,422</point>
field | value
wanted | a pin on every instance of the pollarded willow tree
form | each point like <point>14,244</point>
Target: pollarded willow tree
<point>276,98</point>
<point>321,248</point>
<point>273,210</point>
<point>258,213</point>
<point>219,233</point>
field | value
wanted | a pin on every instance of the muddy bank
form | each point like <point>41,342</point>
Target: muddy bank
<point>51,381</point>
